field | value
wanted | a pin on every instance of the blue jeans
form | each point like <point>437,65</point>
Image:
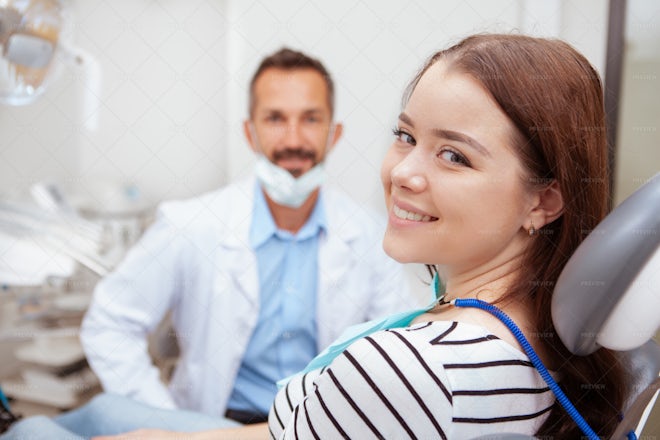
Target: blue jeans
<point>108,414</point>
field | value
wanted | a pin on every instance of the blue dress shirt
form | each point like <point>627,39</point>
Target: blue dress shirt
<point>285,338</point>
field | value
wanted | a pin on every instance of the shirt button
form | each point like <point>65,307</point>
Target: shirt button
<point>287,335</point>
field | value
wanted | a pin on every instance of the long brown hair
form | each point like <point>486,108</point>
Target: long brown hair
<point>555,99</point>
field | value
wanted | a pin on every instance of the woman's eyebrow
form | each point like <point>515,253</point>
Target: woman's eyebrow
<point>406,119</point>
<point>461,137</point>
<point>451,135</point>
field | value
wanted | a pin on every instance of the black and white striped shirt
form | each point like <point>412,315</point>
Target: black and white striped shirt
<point>439,379</point>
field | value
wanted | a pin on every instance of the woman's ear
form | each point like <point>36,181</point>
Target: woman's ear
<point>549,206</point>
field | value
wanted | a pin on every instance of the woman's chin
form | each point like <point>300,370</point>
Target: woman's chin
<point>397,252</point>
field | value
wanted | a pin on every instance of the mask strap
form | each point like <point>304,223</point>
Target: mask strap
<point>255,139</point>
<point>328,140</point>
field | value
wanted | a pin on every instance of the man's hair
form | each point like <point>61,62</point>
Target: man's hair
<point>287,59</point>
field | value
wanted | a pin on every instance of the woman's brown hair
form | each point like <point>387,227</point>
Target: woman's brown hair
<point>555,99</point>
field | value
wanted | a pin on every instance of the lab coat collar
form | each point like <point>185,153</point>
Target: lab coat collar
<point>241,204</point>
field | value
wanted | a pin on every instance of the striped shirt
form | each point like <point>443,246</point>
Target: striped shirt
<point>440,379</point>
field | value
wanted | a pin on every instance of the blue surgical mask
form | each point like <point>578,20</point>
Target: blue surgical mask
<point>280,185</point>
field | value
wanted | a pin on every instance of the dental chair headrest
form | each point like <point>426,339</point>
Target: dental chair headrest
<point>609,291</point>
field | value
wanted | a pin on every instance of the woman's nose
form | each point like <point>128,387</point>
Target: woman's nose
<point>409,174</point>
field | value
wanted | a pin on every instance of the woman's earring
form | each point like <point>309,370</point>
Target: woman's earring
<point>532,230</point>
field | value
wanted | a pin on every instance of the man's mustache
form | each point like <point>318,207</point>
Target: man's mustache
<point>297,153</point>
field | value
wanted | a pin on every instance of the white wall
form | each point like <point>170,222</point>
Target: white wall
<point>146,105</point>
<point>638,143</point>
<point>163,110</point>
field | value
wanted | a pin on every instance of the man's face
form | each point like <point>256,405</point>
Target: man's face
<point>291,119</point>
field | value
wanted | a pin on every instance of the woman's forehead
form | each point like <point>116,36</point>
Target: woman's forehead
<point>447,98</point>
<point>444,91</point>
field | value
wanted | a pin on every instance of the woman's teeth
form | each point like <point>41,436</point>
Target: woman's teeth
<point>407,215</point>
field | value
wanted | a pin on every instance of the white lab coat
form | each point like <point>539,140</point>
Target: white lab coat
<point>196,261</point>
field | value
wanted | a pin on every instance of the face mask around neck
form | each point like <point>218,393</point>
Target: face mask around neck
<point>280,185</point>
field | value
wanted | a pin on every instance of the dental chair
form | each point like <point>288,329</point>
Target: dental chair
<point>608,295</point>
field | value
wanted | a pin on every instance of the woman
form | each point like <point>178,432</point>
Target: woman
<point>496,174</point>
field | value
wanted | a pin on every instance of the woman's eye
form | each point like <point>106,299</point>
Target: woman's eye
<point>404,137</point>
<point>453,157</point>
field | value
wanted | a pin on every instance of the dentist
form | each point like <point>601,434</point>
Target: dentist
<point>258,276</point>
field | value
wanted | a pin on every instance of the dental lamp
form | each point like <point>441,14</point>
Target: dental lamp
<point>30,36</point>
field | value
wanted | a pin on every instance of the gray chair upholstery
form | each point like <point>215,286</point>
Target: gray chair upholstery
<point>609,295</point>
<point>609,292</point>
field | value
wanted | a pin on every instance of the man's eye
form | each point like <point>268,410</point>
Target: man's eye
<point>404,137</point>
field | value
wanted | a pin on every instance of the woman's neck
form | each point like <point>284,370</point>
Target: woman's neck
<point>488,282</point>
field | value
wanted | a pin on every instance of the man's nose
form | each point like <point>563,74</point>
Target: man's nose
<point>293,136</point>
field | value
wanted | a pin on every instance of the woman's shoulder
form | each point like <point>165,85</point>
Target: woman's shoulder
<point>474,338</point>
<point>476,378</point>
<point>452,351</point>
<point>433,347</point>
<point>451,339</point>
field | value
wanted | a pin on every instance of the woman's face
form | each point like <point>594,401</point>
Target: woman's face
<point>454,187</point>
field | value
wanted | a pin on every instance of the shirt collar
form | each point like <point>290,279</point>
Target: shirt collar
<point>263,225</point>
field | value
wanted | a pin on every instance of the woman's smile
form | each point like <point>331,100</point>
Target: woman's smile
<point>407,212</point>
